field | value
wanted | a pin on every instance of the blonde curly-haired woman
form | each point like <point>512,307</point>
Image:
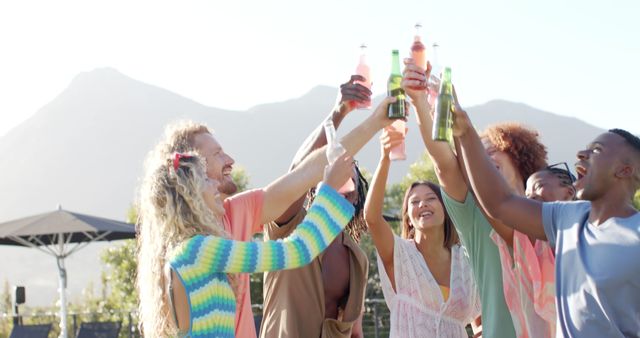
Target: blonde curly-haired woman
<point>186,261</point>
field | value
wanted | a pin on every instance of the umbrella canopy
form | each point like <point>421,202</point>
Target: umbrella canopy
<point>61,233</point>
<point>44,229</point>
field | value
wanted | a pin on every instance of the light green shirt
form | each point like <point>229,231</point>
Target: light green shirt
<point>474,230</point>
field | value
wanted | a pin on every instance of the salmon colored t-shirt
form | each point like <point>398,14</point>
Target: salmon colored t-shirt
<point>242,221</point>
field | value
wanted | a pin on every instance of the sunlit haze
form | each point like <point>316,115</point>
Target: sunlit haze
<point>575,58</point>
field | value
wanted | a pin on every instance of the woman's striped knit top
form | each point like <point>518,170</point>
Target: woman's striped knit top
<point>202,262</point>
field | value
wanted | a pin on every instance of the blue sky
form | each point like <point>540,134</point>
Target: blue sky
<point>574,58</point>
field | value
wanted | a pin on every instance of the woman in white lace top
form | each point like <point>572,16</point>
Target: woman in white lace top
<point>426,278</point>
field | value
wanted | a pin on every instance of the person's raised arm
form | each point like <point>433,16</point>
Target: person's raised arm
<point>503,230</point>
<point>327,217</point>
<point>350,92</point>
<point>444,160</point>
<point>279,195</point>
<point>492,191</point>
<point>380,230</point>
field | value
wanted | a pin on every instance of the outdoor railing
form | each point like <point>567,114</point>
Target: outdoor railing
<point>375,322</point>
<point>129,320</point>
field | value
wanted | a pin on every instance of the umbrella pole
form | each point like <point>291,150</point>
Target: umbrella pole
<point>62,280</point>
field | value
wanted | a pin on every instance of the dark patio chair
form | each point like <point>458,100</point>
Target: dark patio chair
<point>30,331</point>
<point>99,330</point>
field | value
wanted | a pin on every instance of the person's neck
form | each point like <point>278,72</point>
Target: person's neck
<point>221,222</point>
<point>516,186</point>
<point>430,241</point>
<point>615,202</point>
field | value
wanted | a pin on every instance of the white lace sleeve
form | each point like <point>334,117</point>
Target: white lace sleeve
<point>387,288</point>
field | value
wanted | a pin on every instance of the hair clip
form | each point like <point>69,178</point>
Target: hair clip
<point>176,159</point>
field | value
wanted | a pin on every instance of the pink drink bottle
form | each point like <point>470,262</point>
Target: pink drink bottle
<point>418,51</point>
<point>398,152</point>
<point>364,71</point>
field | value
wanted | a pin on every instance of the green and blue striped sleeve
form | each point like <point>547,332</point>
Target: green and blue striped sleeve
<point>326,218</point>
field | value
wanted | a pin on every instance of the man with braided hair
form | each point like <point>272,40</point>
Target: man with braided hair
<point>326,297</point>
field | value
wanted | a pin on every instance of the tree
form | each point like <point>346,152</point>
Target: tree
<point>6,308</point>
<point>5,298</point>
<point>636,200</point>
<point>421,170</point>
<point>118,296</point>
<point>119,274</point>
<point>240,178</point>
<point>121,265</point>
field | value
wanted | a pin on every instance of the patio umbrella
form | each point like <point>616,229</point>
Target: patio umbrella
<point>61,233</point>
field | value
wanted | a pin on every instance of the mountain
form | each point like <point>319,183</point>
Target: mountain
<point>85,149</point>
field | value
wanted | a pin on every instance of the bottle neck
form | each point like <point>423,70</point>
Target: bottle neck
<point>395,63</point>
<point>445,84</point>
<point>417,45</point>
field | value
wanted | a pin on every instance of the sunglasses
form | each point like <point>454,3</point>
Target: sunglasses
<point>562,168</point>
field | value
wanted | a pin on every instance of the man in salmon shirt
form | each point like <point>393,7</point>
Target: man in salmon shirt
<point>246,212</point>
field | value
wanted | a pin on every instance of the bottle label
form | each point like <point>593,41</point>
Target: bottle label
<point>442,121</point>
<point>397,110</point>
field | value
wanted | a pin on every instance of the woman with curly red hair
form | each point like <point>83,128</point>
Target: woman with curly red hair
<point>517,153</point>
<point>527,263</point>
<point>522,147</point>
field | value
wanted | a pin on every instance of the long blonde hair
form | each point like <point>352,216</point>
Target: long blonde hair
<point>172,210</point>
<point>180,137</point>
